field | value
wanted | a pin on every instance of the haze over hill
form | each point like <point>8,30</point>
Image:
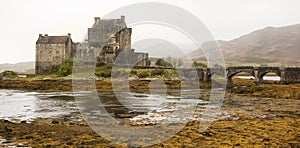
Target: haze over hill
<point>268,45</point>
<point>163,48</point>
<point>18,67</point>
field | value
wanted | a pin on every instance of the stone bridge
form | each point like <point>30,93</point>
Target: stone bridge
<point>257,72</point>
<point>287,75</point>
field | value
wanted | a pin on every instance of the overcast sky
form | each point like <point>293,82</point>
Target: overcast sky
<point>23,20</point>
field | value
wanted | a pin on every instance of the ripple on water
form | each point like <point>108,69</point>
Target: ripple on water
<point>157,107</point>
<point>22,105</point>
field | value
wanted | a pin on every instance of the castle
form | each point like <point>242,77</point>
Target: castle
<point>51,51</point>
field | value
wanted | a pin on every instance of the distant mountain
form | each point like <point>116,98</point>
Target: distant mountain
<point>18,67</point>
<point>163,48</point>
<point>268,45</point>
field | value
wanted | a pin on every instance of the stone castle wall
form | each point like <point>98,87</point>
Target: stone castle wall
<point>106,40</point>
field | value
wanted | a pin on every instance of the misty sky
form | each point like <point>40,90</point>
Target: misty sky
<point>23,20</point>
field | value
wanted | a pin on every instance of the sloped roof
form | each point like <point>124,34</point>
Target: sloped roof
<point>108,23</point>
<point>52,39</point>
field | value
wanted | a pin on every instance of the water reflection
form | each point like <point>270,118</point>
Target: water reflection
<point>21,105</point>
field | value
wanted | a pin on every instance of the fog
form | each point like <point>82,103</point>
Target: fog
<point>22,21</point>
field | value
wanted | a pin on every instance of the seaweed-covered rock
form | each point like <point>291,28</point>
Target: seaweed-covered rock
<point>8,74</point>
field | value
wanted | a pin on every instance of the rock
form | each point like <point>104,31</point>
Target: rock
<point>23,122</point>
<point>55,122</point>
<point>29,137</point>
<point>8,130</point>
<point>207,134</point>
<point>25,144</point>
<point>6,121</point>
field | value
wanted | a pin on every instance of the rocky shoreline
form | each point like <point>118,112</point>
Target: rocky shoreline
<point>243,87</point>
<point>66,84</point>
<point>276,132</point>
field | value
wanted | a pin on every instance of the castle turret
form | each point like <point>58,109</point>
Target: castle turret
<point>123,19</point>
<point>97,19</point>
<point>46,38</point>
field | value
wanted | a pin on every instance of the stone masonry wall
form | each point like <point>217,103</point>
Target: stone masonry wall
<point>49,56</point>
<point>292,75</point>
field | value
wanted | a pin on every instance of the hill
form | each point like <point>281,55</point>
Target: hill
<point>268,45</point>
<point>18,67</point>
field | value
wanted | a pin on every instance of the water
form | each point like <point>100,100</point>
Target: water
<point>22,105</point>
<point>142,107</point>
<point>139,107</point>
<point>271,78</point>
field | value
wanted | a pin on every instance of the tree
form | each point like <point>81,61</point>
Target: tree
<point>66,67</point>
<point>148,62</point>
<point>159,62</point>
<point>162,63</point>
<point>199,65</point>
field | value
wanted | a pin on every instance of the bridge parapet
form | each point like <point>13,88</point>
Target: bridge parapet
<point>232,71</point>
<point>291,75</point>
<point>240,67</point>
<point>287,75</point>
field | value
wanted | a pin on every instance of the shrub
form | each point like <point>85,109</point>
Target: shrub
<point>199,65</point>
<point>66,68</point>
<point>133,72</point>
<point>162,63</point>
<point>104,70</point>
<point>104,74</point>
<point>143,74</point>
<point>157,72</point>
<point>120,73</point>
<point>9,74</point>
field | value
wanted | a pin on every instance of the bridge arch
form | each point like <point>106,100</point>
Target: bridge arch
<point>232,74</point>
<point>263,74</point>
<point>262,71</point>
<point>232,71</point>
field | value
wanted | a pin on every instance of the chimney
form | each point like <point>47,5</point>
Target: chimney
<point>97,19</point>
<point>40,35</point>
<point>69,34</point>
<point>123,18</point>
<point>46,38</point>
